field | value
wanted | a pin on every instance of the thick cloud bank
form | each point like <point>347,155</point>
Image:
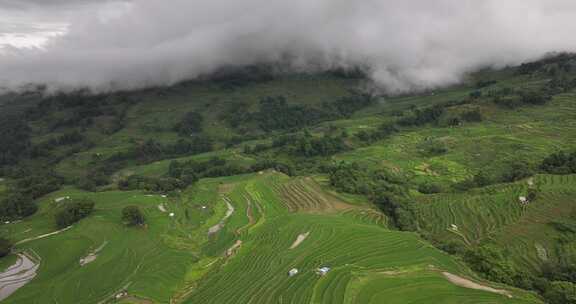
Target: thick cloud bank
<point>407,44</point>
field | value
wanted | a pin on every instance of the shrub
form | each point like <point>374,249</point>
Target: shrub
<point>510,102</point>
<point>472,116</point>
<point>532,194</point>
<point>132,216</point>
<point>560,292</point>
<point>535,98</point>
<point>433,147</point>
<point>517,171</point>
<point>191,123</point>
<point>5,247</point>
<point>453,247</point>
<point>421,117</point>
<point>482,179</point>
<point>475,94</point>
<point>490,261</point>
<point>430,188</point>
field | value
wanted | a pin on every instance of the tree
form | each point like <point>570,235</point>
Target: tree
<point>559,163</point>
<point>516,171</point>
<point>191,123</point>
<point>132,216</point>
<point>14,139</point>
<point>396,208</point>
<point>491,262</point>
<point>535,98</point>
<point>5,247</point>
<point>17,205</point>
<point>482,179</point>
<point>73,212</point>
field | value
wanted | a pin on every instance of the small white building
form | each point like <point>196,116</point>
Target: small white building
<point>454,227</point>
<point>323,270</point>
<point>523,200</point>
<point>292,272</point>
<point>171,214</point>
<point>121,294</point>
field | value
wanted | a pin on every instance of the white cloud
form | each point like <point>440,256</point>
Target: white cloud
<point>408,44</point>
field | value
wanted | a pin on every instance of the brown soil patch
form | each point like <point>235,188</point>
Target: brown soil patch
<point>462,282</point>
<point>301,237</point>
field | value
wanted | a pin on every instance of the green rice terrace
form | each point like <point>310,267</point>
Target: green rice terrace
<point>275,224</point>
<point>265,188</point>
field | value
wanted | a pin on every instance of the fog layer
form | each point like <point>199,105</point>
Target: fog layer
<point>405,44</point>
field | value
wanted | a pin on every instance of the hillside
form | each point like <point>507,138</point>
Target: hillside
<point>458,193</point>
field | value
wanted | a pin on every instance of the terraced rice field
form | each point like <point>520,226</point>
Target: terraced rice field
<point>303,194</point>
<point>177,260</point>
<point>495,213</point>
<point>368,262</point>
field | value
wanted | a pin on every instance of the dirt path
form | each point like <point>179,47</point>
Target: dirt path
<point>462,282</point>
<point>301,237</point>
<point>91,257</point>
<point>17,275</point>
<point>212,230</point>
<point>230,252</point>
<point>42,236</point>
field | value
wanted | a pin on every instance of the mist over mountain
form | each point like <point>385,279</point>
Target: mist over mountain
<point>405,45</point>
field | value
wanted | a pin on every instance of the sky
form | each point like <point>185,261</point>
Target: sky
<point>406,45</point>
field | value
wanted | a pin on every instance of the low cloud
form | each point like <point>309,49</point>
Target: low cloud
<point>407,45</point>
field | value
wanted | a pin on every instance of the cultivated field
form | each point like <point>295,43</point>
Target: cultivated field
<point>275,224</point>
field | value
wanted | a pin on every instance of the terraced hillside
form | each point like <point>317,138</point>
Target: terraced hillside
<point>496,213</point>
<point>233,240</point>
<point>367,262</point>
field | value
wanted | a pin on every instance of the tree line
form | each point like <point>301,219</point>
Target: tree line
<point>276,114</point>
<point>20,199</point>
<point>389,192</point>
<point>182,174</point>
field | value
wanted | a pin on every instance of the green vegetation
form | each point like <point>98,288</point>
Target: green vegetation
<point>463,194</point>
<point>5,247</point>
<point>132,216</point>
<point>73,212</point>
